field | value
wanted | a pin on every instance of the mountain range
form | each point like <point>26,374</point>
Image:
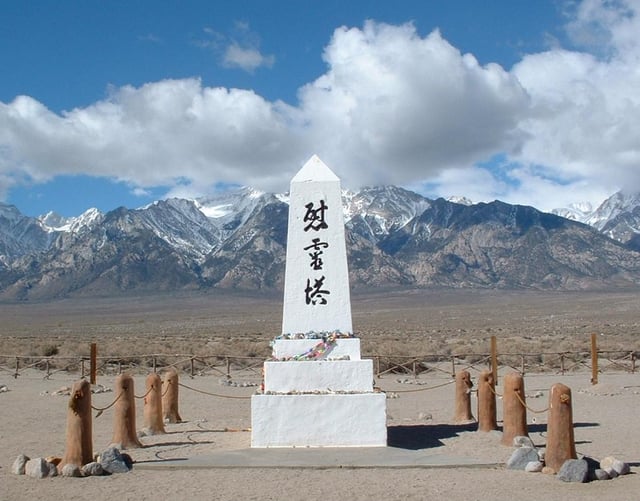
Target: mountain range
<point>395,237</point>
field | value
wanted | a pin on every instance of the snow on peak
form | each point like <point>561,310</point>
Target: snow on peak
<point>53,222</point>
<point>459,200</point>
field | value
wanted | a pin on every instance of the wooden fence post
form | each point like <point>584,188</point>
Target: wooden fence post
<point>94,359</point>
<point>494,360</point>
<point>594,359</point>
<point>514,414</point>
<point>462,413</point>
<point>560,440</point>
<point>78,448</point>
<point>487,420</point>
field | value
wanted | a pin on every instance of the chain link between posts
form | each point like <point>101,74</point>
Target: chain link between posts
<point>102,409</point>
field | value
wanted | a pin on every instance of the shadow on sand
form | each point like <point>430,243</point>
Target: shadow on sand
<point>415,437</point>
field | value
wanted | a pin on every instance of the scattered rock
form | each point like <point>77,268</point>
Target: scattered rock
<point>521,456</point>
<point>112,461</point>
<point>98,388</point>
<point>574,470</point>
<point>64,391</point>
<point>611,464</point>
<point>600,474</point>
<point>424,416</point>
<point>70,470</point>
<point>92,470</point>
<point>534,466</point>
<point>53,460</point>
<point>18,465</point>
<point>40,468</point>
<point>53,469</point>
<point>521,441</point>
<point>3,388</point>
<point>621,467</point>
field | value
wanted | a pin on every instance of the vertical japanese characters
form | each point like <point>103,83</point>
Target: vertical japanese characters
<point>315,224</point>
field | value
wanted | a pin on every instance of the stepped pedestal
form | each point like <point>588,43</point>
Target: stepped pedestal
<point>323,402</point>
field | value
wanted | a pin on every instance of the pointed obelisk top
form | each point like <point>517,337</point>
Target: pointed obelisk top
<point>316,285</point>
<point>314,170</point>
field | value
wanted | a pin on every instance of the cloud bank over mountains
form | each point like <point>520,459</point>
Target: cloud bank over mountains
<point>393,107</point>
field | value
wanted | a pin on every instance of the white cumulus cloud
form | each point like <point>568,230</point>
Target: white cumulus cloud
<point>392,107</point>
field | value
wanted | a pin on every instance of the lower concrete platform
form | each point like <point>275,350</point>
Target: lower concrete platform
<point>319,420</point>
<point>325,457</point>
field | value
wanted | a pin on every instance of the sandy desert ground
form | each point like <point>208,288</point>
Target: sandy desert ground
<point>605,415</point>
<point>605,419</point>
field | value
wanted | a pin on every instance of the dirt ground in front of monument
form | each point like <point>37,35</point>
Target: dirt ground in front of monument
<point>389,322</point>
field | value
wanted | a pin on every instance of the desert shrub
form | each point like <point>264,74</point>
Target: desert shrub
<point>50,350</point>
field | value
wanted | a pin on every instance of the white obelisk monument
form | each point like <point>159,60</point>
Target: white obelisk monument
<point>317,390</point>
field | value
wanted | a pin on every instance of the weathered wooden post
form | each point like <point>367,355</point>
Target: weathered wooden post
<point>494,360</point>
<point>560,440</point>
<point>594,359</point>
<point>463,398</point>
<point>94,363</point>
<point>170,396</point>
<point>124,416</point>
<point>514,414</point>
<point>487,415</point>
<point>78,448</point>
<point>153,423</point>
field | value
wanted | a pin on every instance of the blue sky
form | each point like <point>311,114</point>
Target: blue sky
<point>104,104</point>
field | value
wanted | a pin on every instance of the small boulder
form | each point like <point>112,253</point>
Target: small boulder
<point>574,470</point>
<point>520,458</point>
<point>39,468</point>
<point>70,470</point>
<point>600,474</point>
<point>534,466</point>
<point>621,467</point>
<point>93,469</point>
<point>18,465</point>
<point>112,461</point>
<point>614,466</point>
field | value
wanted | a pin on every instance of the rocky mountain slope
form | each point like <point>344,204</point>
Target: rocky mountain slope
<point>237,240</point>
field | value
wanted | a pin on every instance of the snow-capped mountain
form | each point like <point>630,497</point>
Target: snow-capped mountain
<point>576,212</point>
<point>237,240</point>
<point>618,216</point>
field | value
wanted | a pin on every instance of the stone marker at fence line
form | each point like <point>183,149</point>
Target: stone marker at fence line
<point>487,415</point>
<point>124,416</point>
<point>560,437</point>
<point>317,389</point>
<point>153,421</point>
<point>514,414</point>
<point>78,448</point>
<point>463,413</point>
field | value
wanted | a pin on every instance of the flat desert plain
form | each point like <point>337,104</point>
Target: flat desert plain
<point>419,410</point>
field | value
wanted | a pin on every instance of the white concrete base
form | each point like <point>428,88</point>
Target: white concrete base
<point>318,375</point>
<point>346,348</point>
<point>327,420</point>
